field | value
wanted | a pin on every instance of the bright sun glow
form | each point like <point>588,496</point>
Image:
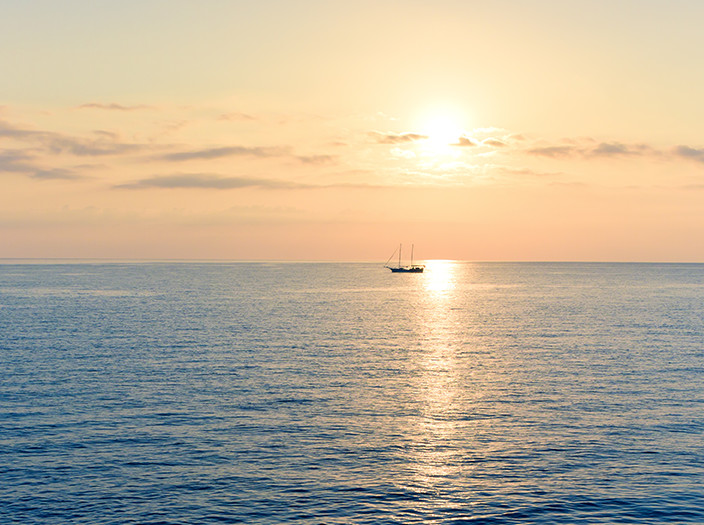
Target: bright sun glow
<point>442,131</point>
<point>441,276</point>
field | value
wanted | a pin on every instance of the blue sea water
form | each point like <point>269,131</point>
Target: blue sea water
<point>487,393</point>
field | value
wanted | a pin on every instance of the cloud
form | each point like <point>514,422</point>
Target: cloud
<point>316,159</point>
<point>110,135</point>
<point>87,147</point>
<point>236,116</point>
<point>611,149</point>
<point>588,148</point>
<point>494,142</point>
<point>235,151</point>
<point>104,144</point>
<point>396,138</point>
<point>113,106</point>
<point>219,182</point>
<point>208,181</point>
<point>215,153</point>
<point>465,142</point>
<point>56,174</point>
<point>9,130</point>
<point>553,151</point>
<point>15,161</point>
<point>688,152</point>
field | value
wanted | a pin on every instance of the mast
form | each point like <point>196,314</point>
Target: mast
<point>399,255</point>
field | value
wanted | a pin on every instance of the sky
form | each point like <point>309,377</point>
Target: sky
<point>330,130</point>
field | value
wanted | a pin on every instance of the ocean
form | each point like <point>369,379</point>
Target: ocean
<point>264,393</point>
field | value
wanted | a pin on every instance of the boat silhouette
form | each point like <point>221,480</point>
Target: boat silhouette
<point>411,268</point>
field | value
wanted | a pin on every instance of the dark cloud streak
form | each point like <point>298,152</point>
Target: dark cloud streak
<point>212,181</point>
<point>8,130</point>
<point>215,153</point>
<point>616,149</point>
<point>57,143</point>
<point>588,150</point>
<point>15,161</point>
<point>396,138</point>
<point>688,152</point>
<point>553,151</point>
<point>56,174</point>
<point>89,148</point>
<point>208,181</point>
<point>316,160</point>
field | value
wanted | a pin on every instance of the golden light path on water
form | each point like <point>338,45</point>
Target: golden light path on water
<point>438,378</point>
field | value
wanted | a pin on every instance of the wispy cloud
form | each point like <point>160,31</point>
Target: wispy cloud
<point>316,159</point>
<point>688,152</point>
<point>215,181</point>
<point>215,153</point>
<point>494,142</point>
<point>588,148</point>
<point>488,138</point>
<point>396,138</point>
<point>465,142</point>
<point>208,181</point>
<point>89,147</point>
<point>57,174</point>
<point>103,142</point>
<point>113,106</point>
<point>553,151</point>
<point>111,135</point>
<point>16,161</point>
<point>234,116</point>
<point>12,131</point>
<point>616,149</point>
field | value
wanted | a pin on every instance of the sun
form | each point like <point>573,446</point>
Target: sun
<point>443,130</point>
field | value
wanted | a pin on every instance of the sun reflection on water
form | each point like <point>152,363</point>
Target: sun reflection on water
<point>441,276</point>
<point>439,390</point>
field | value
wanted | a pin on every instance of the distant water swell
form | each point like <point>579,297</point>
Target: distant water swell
<point>324,393</point>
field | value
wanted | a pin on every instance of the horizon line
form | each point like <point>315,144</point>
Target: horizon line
<point>88,260</point>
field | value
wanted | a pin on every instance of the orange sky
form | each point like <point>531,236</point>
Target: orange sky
<point>328,131</point>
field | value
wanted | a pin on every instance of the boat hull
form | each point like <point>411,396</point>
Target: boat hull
<point>413,269</point>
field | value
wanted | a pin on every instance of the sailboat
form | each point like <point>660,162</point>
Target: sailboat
<point>412,268</point>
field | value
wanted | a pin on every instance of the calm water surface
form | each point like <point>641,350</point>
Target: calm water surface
<point>184,393</point>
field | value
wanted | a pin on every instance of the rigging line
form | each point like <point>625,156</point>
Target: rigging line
<point>392,256</point>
